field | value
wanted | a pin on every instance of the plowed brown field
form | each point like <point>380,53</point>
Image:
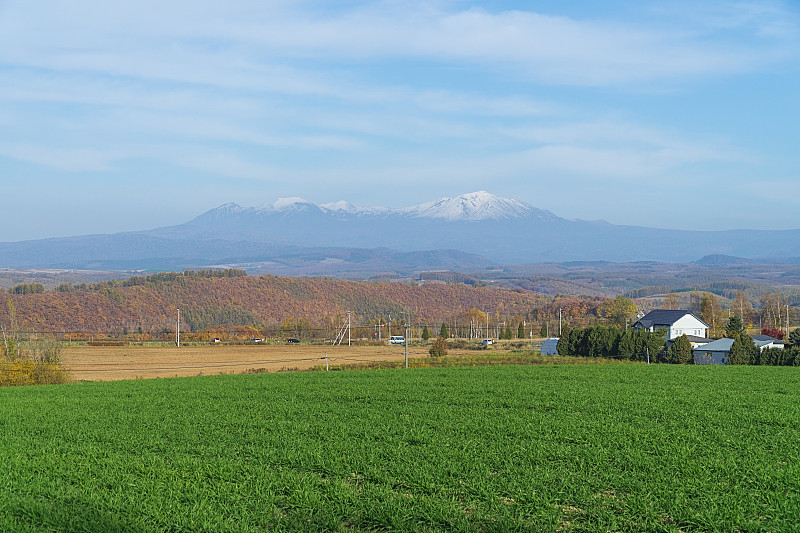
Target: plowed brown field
<point>102,363</point>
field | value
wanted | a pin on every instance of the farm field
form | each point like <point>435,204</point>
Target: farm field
<point>111,363</point>
<point>543,448</point>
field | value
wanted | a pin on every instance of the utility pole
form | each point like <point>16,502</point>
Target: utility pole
<point>406,339</point>
<point>348,328</point>
<point>178,329</point>
<point>559,322</point>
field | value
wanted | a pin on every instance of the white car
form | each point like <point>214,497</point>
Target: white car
<point>397,339</point>
<point>486,342</point>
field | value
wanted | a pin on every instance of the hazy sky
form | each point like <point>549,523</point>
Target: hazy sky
<point>124,116</point>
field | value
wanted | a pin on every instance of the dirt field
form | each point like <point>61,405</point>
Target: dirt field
<point>101,363</point>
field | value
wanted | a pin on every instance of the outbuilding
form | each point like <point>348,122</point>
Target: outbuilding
<point>550,346</point>
<point>714,353</point>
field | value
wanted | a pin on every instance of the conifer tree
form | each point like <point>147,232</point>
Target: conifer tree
<point>681,351</point>
<point>425,333</point>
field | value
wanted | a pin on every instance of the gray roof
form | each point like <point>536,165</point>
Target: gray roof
<point>763,340</point>
<point>719,345</point>
<point>766,338</point>
<point>664,317</point>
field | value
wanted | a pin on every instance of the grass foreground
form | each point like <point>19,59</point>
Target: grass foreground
<point>546,448</point>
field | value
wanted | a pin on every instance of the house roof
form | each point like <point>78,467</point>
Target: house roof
<point>696,339</point>
<point>763,340</point>
<point>664,317</point>
<point>719,345</point>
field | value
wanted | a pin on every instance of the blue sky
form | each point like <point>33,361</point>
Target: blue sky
<point>678,114</point>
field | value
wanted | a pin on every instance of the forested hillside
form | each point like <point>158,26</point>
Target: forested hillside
<point>148,305</point>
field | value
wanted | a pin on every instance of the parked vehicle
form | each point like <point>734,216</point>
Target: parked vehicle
<point>397,339</point>
<point>292,340</point>
<point>486,342</point>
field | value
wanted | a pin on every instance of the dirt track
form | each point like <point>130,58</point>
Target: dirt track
<point>96,363</point>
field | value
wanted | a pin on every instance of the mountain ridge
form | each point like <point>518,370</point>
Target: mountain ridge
<point>485,227</point>
<point>479,205</point>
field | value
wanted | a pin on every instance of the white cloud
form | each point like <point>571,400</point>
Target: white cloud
<point>305,94</point>
<point>230,44</point>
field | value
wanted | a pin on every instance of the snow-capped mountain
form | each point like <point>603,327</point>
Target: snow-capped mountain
<point>290,205</point>
<point>458,229</point>
<point>479,205</point>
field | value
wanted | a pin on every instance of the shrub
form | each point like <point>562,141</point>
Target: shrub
<point>439,348</point>
<point>27,372</point>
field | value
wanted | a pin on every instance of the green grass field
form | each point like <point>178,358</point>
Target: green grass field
<point>543,448</point>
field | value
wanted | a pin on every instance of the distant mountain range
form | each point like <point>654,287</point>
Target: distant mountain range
<point>294,236</point>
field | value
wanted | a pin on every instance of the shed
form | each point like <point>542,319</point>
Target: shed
<point>713,353</point>
<point>550,346</point>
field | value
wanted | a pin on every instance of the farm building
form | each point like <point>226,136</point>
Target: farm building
<point>550,346</point>
<point>713,353</point>
<point>718,351</point>
<point>676,322</point>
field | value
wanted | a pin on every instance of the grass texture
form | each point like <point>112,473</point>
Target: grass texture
<point>544,448</point>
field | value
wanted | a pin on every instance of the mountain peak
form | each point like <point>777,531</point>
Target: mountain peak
<point>479,205</point>
<point>474,206</point>
<point>293,204</point>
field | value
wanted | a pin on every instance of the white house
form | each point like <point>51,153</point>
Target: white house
<point>676,322</point>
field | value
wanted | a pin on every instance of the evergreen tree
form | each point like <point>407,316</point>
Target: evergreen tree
<point>543,332</point>
<point>601,341</point>
<point>654,344</point>
<point>425,333</point>
<point>681,351</point>
<point>743,351</point>
<point>507,334</point>
<point>734,327</point>
<point>627,344</point>
<point>521,331</point>
<point>794,337</point>
<point>564,345</point>
<point>443,332</point>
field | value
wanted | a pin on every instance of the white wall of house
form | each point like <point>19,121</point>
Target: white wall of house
<point>770,345</point>
<point>687,325</point>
